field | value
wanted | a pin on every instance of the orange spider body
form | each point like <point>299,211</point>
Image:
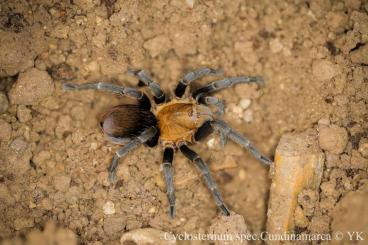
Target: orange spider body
<point>178,120</point>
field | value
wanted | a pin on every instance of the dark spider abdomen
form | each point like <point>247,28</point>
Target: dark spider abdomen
<point>127,121</point>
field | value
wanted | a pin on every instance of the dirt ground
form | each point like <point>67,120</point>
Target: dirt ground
<point>54,158</point>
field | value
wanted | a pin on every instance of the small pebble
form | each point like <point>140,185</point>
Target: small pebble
<point>62,182</point>
<point>102,178</point>
<point>333,139</point>
<point>46,204</point>
<point>32,205</point>
<point>353,4</point>
<point>228,163</point>
<point>31,86</point>
<point>23,114</point>
<point>5,132</point>
<point>242,174</point>
<point>114,224</point>
<point>324,70</point>
<point>228,226</point>
<point>184,43</point>
<point>147,236</point>
<point>245,103</point>
<point>41,157</point>
<point>276,46</point>
<point>357,161</point>
<point>19,145</point>
<point>190,3</point>
<point>363,147</point>
<point>108,208</point>
<point>324,121</point>
<point>94,146</point>
<point>237,110</point>
<point>157,45</point>
<point>18,50</point>
<point>60,31</point>
<point>62,72</point>
<point>211,143</point>
<point>21,223</point>
<point>248,116</point>
<point>360,56</point>
<point>4,103</point>
<point>299,218</point>
<point>6,195</point>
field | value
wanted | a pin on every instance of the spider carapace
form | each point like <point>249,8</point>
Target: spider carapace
<point>179,120</point>
<point>174,124</point>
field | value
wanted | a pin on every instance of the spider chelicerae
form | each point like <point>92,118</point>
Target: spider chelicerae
<point>174,123</point>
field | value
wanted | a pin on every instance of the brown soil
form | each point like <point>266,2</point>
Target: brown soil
<point>53,157</point>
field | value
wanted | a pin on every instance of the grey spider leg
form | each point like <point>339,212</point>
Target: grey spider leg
<point>168,174</point>
<point>155,88</point>
<point>224,83</point>
<point>227,132</point>
<point>130,92</point>
<point>193,156</point>
<point>192,76</point>
<point>212,100</point>
<point>142,138</point>
<point>117,140</point>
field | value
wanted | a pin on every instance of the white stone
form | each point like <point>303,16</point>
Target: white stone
<point>245,103</point>
<point>275,45</point>
<point>190,3</point>
<point>248,116</point>
<point>211,143</point>
<point>108,208</point>
<point>237,110</point>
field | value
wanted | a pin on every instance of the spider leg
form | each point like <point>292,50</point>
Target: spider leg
<point>211,100</point>
<point>191,76</point>
<point>227,132</point>
<point>142,138</point>
<point>224,83</point>
<point>118,140</point>
<point>129,92</point>
<point>191,155</point>
<point>168,174</point>
<point>158,94</point>
<point>203,131</point>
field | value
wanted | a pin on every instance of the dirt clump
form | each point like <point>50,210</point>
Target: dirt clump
<point>346,214</point>
<point>333,139</point>
<point>31,86</point>
<point>4,103</point>
<point>19,49</point>
<point>229,230</point>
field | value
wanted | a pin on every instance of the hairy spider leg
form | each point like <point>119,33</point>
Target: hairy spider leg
<point>118,140</point>
<point>224,83</point>
<point>142,138</point>
<point>158,95</point>
<point>192,76</point>
<point>227,132</point>
<point>143,100</point>
<point>168,175</point>
<point>203,131</point>
<point>193,156</point>
<point>212,100</point>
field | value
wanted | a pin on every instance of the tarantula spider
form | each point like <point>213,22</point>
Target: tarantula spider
<point>176,123</point>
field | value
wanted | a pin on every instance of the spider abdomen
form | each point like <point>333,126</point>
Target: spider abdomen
<point>127,120</point>
<point>178,121</point>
